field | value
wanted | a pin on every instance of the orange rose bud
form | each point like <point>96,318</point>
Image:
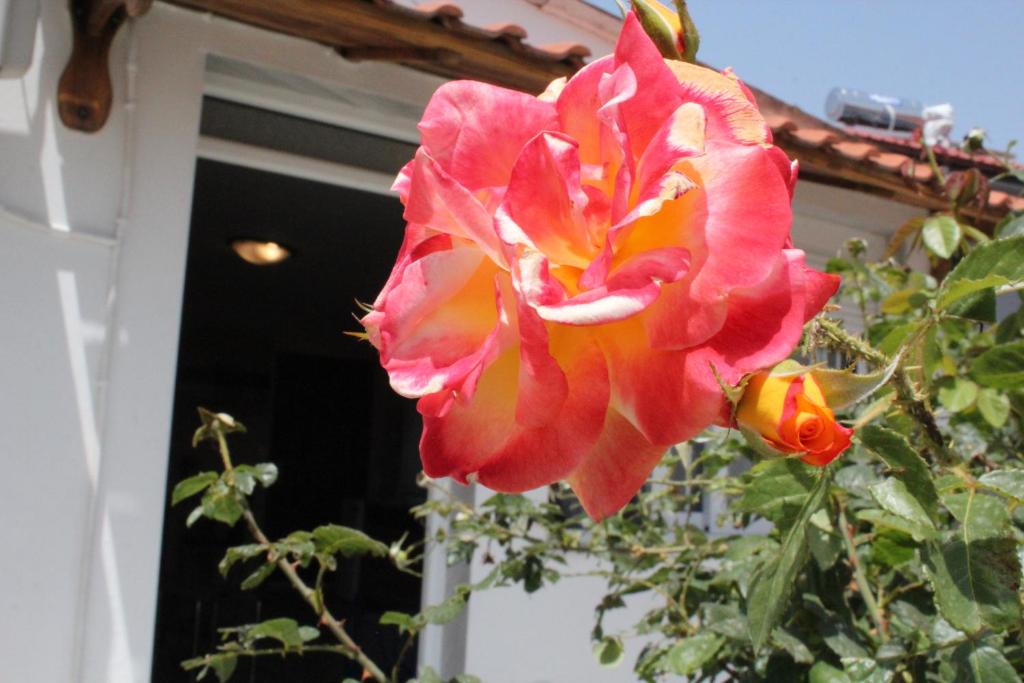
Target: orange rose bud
<point>790,413</point>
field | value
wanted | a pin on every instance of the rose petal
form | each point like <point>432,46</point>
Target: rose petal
<point>476,131</point>
<point>615,469</point>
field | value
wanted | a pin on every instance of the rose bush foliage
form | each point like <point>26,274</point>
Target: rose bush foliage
<point>575,265</point>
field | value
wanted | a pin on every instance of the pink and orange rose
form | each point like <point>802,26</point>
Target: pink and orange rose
<point>575,263</point>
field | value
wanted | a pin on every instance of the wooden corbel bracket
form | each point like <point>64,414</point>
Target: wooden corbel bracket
<point>85,93</point>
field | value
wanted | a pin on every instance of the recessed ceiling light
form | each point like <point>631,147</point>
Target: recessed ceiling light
<point>259,252</point>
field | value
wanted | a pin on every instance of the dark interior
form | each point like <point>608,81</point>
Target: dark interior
<point>267,345</point>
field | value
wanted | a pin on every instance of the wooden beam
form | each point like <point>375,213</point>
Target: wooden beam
<point>84,93</point>
<point>400,34</point>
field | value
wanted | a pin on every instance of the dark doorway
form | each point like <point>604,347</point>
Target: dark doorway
<point>267,345</point>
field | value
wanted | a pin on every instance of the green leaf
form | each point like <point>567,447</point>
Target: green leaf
<point>842,387</point>
<point>941,235</point>
<point>887,520</point>
<point>264,473</point>
<point>892,548</point>
<point>822,672</point>
<point>309,633</point>
<point>1002,258</point>
<point>776,489</point>
<point>975,574</point>
<point>428,675</point>
<point>1001,367</point>
<point>690,655</point>
<point>224,667</point>
<point>257,578</point>
<point>894,497</point>
<point>994,406</point>
<point>609,652</point>
<point>823,541</point>
<point>220,503</point>
<point>1008,482</point>
<point>958,395</point>
<point>187,488</point>
<point>284,630</point>
<point>406,623</point>
<point>1011,225</point>
<point>773,583</point>
<point>725,619</point>
<point>977,663</point>
<point>237,554</point>
<point>194,516</point>
<point>448,609</point>
<point>793,646</point>
<point>333,539</point>
<point>904,463</point>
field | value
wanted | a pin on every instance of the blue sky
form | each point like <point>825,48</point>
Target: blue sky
<point>968,53</point>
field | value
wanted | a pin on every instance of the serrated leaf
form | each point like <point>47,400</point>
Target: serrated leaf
<point>195,484</point>
<point>773,584</point>
<point>977,663</point>
<point>693,653</point>
<point>333,539</point>
<point>942,235</point>
<point>965,287</point>
<point>609,652</point>
<point>894,497</point>
<point>1008,482</point>
<point>994,406</point>
<point>842,388</point>
<point>975,575</point>
<point>1003,258</point>
<point>958,394</point>
<point>1001,367</point>
<point>904,463</point>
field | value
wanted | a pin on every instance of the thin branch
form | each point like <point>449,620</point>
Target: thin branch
<point>312,599</point>
<point>858,573</point>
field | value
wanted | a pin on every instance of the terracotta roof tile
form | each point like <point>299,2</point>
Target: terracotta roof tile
<point>450,15</point>
<point>889,161</point>
<point>815,137</point>
<point>857,151</point>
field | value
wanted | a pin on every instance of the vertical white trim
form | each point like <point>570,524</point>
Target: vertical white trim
<point>116,627</point>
